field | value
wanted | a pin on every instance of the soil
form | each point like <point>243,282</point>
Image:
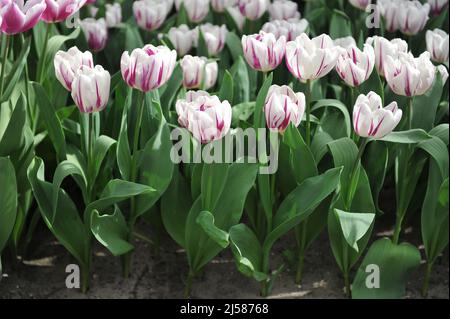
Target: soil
<point>42,274</point>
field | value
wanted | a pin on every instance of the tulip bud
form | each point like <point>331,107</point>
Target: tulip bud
<point>113,14</point>
<point>282,107</point>
<point>283,10</point>
<point>90,88</point>
<point>17,17</point>
<point>389,10</point>
<point>204,116</point>
<point>437,6</point>
<point>437,45</point>
<point>263,51</point>
<point>148,68</point>
<point>96,33</point>
<point>221,5</point>
<point>370,119</point>
<point>198,73</point>
<point>310,59</point>
<point>355,66</point>
<point>237,16</point>
<point>345,42</point>
<point>443,72</point>
<point>383,48</point>
<point>197,10</point>
<point>181,38</point>
<point>214,36</point>
<point>360,4</point>
<point>412,17</point>
<point>409,76</point>
<point>290,29</point>
<point>253,9</point>
<point>60,10</point>
<point>150,14</point>
<point>67,63</point>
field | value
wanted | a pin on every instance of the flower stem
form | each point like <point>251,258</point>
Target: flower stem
<point>426,280</point>
<point>308,113</point>
<point>362,147</point>
<point>5,57</point>
<point>410,113</point>
<point>43,52</point>
<point>188,287</point>
<point>301,252</point>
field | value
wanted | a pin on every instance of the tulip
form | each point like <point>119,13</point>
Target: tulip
<point>443,72</point>
<point>113,14</point>
<point>148,68</point>
<point>90,88</point>
<point>197,10</point>
<point>370,119</point>
<point>214,36</point>
<point>67,64</point>
<point>93,10</point>
<point>96,33</point>
<point>204,116</point>
<point>282,107</point>
<point>412,17</point>
<point>263,51</point>
<point>310,59</point>
<point>384,48</point>
<point>389,10</point>
<point>283,10</point>
<point>355,66</point>
<point>221,5</point>
<point>150,14</point>
<point>237,16</point>
<point>60,10</point>
<point>409,76</point>
<point>253,9</point>
<point>198,72</point>
<point>360,4</point>
<point>437,45</point>
<point>345,42</point>
<point>437,6</point>
<point>290,29</point>
<point>182,39</point>
<point>18,17</point>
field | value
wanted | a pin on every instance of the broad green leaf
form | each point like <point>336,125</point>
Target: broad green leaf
<point>258,118</point>
<point>340,25</point>
<point>437,149</point>
<point>242,112</point>
<point>425,106</point>
<point>234,45</point>
<point>354,226</point>
<point>338,105</point>
<point>13,137</point>
<point>101,147</point>
<point>206,220</point>
<point>241,82</point>
<point>123,152</point>
<point>441,131</point>
<point>202,47</point>
<point>214,178</point>
<point>8,200</point>
<point>394,262</point>
<point>376,164</point>
<point>407,137</point>
<point>111,231</point>
<point>226,90</point>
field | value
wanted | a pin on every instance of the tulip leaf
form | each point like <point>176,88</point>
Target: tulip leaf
<point>101,147</point>
<point>407,137</point>
<point>123,152</point>
<point>202,46</point>
<point>8,200</point>
<point>13,138</point>
<point>425,106</point>
<point>214,177</point>
<point>385,270</point>
<point>441,131</point>
<point>258,118</point>
<point>354,226</point>
<point>172,87</point>
<point>242,111</point>
<point>234,45</point>
<point>340,25</point>
<point>206,220</point>
<point>338,105</point>
<point>241,82</point>
<point>111,231</point>
<point>437,149</point>
<point>226,89</point>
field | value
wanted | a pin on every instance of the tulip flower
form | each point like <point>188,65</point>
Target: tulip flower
<point>148,68</point>
<point>370,119</point>
<point>409,76</point>
<point>412,17</point>
<point>150,14</point>
<point>389,10</point>
<point>262,51</point>
<point>205,116</point>
<point>345,42</point>
<point>282,107</point>
<point>96,33</point>
<point>221,5</point>
<point>290,29</point>
<point>198,72</point>
<point>360,4</point>
<point>237,16</point>
<point>60,10</point>
<point>197,10</point>
<point>253,9</point>
<point>67,64</point>
<point>113,14</point>
<point>17,16</point>
<point>355,66</point>
<point>437,6</point>
<point>283,10</point>
<point>384,48</point>
<point>182,38</point>
<point>310,59</point>
<point>443,72</point>
<point>90,88</point>
<point>437,45</point>
<point>215,37</point>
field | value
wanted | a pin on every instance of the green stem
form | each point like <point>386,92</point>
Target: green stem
<point>43,52</point>
<point>265,283</point>
<point>362,147</point>
<point>90,132</point>
<point>410,113</point>
<point>84,279</point>
<point>398,229</point>
<point>301,252</point>
<point>5,57</point>
<point>308,113</point>
<point>188,287</point>
<point>348,292</point>
<point>426,280</point>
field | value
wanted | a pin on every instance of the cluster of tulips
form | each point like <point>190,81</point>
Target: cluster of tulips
<point>255,61</point>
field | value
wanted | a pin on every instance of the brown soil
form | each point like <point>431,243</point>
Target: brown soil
<point>42,275</point>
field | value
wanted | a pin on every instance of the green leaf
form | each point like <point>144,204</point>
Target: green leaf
<point>206,220</point>
<point>338,105</point>
<point>395,264</point>
<point>354,226</point>
<point>234,45</point>
<point>441,131</point>
<point>242,112</point>
<point>214,177</point>
<point>407,137</point>
<point>13,137</point>
<point>111,231</point>
<point>123,152</point>
<point>8,200</point>
<point>376,164</point>
<point>339,25</point>
<point>425,106</point>
<point>172,87</point>
<point>437,149</point>
<point>258,118</point>
<point>226,90</point>
<point>241,81</point>
<point>101,147</point>
<point>202,47</point>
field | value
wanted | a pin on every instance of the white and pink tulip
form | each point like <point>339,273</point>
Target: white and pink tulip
<point>17,16</point>
<point>198,72</point>
<point>263,51</point>
<point>96,33</point>
<point>67,64</point>
<point>355,66</point>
